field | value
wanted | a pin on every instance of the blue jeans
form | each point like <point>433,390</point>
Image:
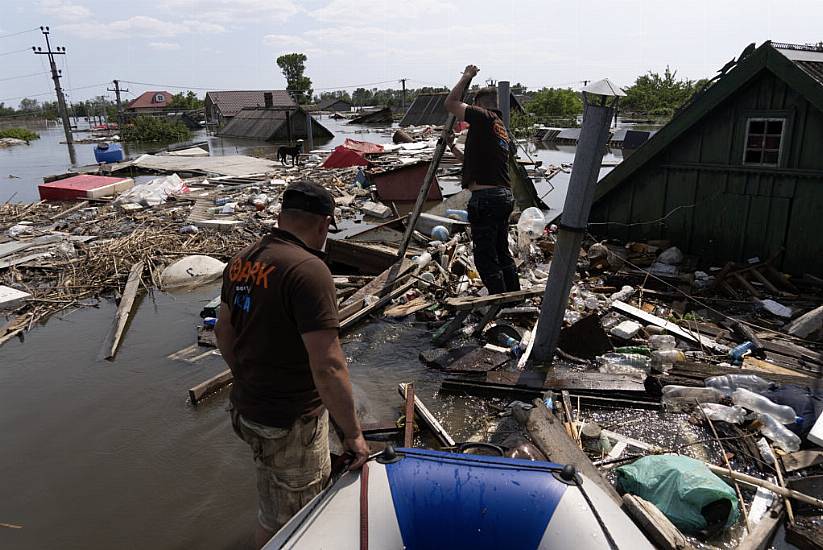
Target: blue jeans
<point>489,211</point>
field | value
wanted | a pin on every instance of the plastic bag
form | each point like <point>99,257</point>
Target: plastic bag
<point>154,192</point>
<point>681,487</point>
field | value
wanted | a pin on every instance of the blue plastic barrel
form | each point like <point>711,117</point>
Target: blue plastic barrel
<point>108,152</point>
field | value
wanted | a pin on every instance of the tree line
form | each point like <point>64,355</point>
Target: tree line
<point>99,106</point>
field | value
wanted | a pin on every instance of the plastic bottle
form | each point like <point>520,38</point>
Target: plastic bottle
<point>634,349</point>
<point>440,233</point>
<point>704,395</point>
<point>778,433</point>
<point>189,229</point>
<point>662,341</point>
<point>763,405</point>
<point>727,383</point>
<point>624,359</point>
<point>722,413</point>
<point>514,345</point>
<point>623,294</point>
<point>668,357</point>
<point>460,215</point>
<point>220,201</point>
<point>531,222</point>
<point>765,451</point>
<point>738,352</point>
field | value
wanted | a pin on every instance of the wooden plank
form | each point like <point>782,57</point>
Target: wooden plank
<point>547,432</point>
<point>760,536</point>
<point>377,287</point>
<point>806,534</point>
<point>429,419</point>
<point>67,211</point>
<point>408,432</point>
<point>348,323</point>
<point>669,327</point>
<point>210,386</point>
<point>654,523</point>
<point>472,302</point>
<point>124,310</point>
<point>447,331</point>
<point>554,380</point>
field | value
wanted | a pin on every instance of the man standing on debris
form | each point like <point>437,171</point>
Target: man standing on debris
<point>278,332</point>
<point>486,175</point>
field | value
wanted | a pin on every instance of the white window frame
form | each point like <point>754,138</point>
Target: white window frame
<point>159,98</point>
<point>765,119</point>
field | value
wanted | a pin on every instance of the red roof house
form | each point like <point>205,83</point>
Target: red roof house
<point>150,101</point>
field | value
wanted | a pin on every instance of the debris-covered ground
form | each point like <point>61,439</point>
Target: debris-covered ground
<point>660,355</point>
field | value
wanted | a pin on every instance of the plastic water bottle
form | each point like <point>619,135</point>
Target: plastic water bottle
<point>763,405</point>
<point>460,215</point>
<point>623,294</point>
<point>514,345</point>
<point>531,222</point>
<point>704,395</point>
<point>668,357</point>
<point>778,433</point>
<point>662,341</point>
<point>722,413</point>
<point>440,233</point>
<point>634,360</point>
<point>727,383</point>
<point>738,352</point>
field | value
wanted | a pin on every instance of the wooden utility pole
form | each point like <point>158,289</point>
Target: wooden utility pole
<point>61,101</point>
<point>117,91</point>
<point>403,83</point>
<point>504,101</point>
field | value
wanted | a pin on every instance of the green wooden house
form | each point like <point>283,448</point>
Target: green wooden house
<point>736,174</point>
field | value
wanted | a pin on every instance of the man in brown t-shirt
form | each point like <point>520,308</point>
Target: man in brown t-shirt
<point>486,175</point>
<point>278,331</point>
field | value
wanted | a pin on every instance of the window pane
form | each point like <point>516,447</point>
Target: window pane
<point>753,156</point>
<point>757,126</point>
<point>774,127</point>
<point>770,157</point>
<point>754,142</point>
<point>772,142</point>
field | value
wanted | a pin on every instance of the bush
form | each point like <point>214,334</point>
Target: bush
<point>19,133</point>
<point>149,128</point>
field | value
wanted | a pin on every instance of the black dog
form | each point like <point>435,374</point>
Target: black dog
<point>285,151</point>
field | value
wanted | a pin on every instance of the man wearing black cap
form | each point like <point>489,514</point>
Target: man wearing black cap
<point>278,332</point>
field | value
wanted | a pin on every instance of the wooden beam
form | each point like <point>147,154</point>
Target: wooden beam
<point>348,323</point>
<point>668,326</point>
<point>123,310</point>
<point>471,302</point>
<point>800,460</point>
<point>429,419</point>
<point>408,432</point>
<point>209,386</point>
<point>654,523</point>
<point>763,531</point>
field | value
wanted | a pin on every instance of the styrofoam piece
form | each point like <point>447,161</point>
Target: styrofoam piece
<point>626,330</point>
<point>11,297</point>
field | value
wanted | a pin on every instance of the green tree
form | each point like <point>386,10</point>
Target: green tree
<point>28,105</point>
<point>6,111</point>
<point>186,102</point>
<point>656,94</point>
<point>550,104</point>
<point>293,65</point>
<point>149,128</point>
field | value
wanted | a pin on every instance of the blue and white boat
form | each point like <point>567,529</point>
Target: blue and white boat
<point>423,499</point>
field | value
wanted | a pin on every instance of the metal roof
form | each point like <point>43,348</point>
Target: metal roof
<point>329,101</point>
<point>429,108</point>
<point>262,124</point>
<point>146,100</point>
<point>230,102</point>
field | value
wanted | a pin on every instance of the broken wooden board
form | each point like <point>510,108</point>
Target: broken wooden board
<point>210,386</point>
<point>698,372</point>
<point>569,380</point>
<point>806,534</point>
<point>11,297</point>
<point>800,460</point>
<point>471,302</point>
<point>759,538</point>
<point>368,259</point>
<point>479,360</point>
<point>377,287</point>
<point>429,419</point>
<point>654,523</point>
<point>349,322</point>
<point>770,368</point>
<point>410,307</point>
<point>671,328</point>
<point>124,310</point>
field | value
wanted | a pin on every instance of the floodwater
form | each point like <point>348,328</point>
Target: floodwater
<point>98,454</point>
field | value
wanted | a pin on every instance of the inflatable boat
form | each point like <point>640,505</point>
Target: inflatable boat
<point>423,499</point>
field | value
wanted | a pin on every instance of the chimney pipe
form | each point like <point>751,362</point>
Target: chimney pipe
<point>268,101</point>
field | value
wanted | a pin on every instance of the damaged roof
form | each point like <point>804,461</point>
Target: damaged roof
<point>264,124</point>
<point>429,108</point>
<point>230,102</point>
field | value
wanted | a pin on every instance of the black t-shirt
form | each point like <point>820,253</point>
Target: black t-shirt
<point>486,156</point>
<point>277,289</point>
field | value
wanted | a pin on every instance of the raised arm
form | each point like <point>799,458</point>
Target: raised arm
<point>331,377</point>
<point>454,102</point>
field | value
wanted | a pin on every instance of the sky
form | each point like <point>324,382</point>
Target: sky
<point>232,44</point>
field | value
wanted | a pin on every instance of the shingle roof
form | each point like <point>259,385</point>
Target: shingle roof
<point>230,102</point>
<point>147,100</point>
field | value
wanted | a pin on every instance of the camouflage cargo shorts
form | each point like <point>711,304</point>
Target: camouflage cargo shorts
<point>293,464</point>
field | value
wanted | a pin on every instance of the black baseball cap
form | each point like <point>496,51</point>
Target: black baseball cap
<point>309,197</point>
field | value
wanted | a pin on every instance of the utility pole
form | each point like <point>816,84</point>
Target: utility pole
<point>117,91</point>
<point>504,101</point>
<point>600,100</point>
<point>403,82</point>
<point>61,101</point>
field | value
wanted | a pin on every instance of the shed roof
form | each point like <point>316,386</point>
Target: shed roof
<point>262,124</point>
<point>230,102</point>
<point>329,101</point>
<point>148,100</point>
<point>801,67</point>
<point>429,108</point>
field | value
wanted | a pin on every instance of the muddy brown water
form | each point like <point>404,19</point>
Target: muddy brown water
<point>98,454</point>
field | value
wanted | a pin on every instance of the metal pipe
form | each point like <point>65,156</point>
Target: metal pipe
<point>585,171</point>
<point>504,101</point>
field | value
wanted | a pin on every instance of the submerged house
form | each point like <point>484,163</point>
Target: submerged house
<point>150,102</point>
<point>337,104</point>
<point>273,123</point>
<point>737,173</point>
<point>222,106</point>
<point>429,108</point>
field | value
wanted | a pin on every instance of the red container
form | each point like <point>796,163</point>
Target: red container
<point>83,187</point>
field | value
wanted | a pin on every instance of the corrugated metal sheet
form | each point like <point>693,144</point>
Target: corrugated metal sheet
<point>426,109</point>
<point>259,124</point>
<point>812,68</point>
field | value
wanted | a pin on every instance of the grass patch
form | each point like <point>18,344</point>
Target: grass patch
<point>19,133</point>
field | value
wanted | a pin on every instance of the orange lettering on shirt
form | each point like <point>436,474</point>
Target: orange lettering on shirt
<point>263,275</point>
<point>253,270</point>
<point>244,273</point>
<point>234,270</point>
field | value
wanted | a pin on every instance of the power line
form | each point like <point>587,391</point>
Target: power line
<point>15,51</point>
<point>22,76</point>
<point>51,92</point>
<point>19,33</point>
